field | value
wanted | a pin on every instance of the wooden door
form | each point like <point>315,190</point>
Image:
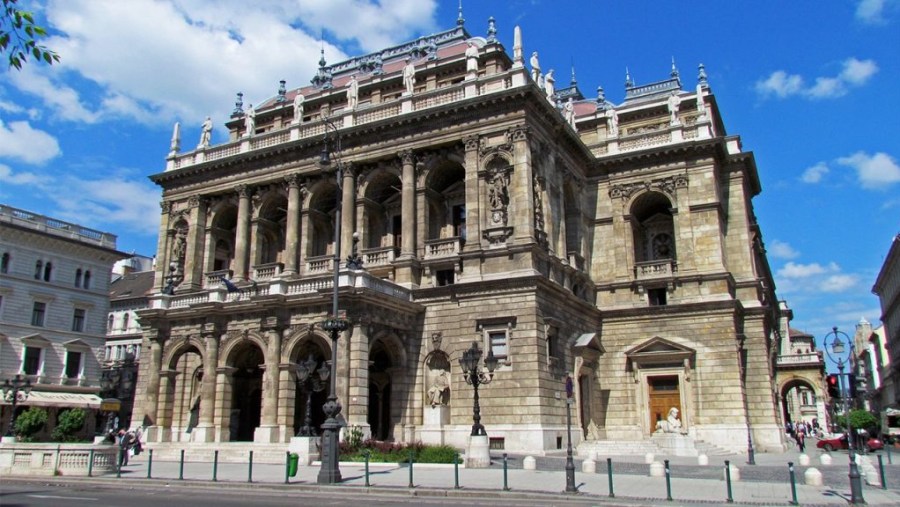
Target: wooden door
<point>664,394</point>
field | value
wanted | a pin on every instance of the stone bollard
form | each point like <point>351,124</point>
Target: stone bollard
<point>589,466</point>
<point>657,469</point>
<point>529,463</point>
<point>592,456</point>
<point>825,459</point>
<point>649,457</point>
<point>812,476</point>
<point>803,460</point>
<point>735,473</point>
<point>703,460</point>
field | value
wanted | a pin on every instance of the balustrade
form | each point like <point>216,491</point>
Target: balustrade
<point>444,247</point>
<point>650,270</point>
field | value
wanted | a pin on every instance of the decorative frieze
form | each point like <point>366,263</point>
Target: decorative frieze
<point>668,184</point>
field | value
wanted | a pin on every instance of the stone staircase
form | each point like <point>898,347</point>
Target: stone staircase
<point>641,447</point>
<point>229,452</point>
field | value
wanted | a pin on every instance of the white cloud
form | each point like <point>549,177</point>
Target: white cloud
<point>876,172</point>
<point>815,173</point>
<point>794,270</point>
<point>870,11</point>
<point>19,178</point>
<point>781,250</point>
<point>21,141</point>
<point>158,61</point>
<point>838,283</point>
<point>103,203</point>
<point>10,107</point>
<point>854,72</point>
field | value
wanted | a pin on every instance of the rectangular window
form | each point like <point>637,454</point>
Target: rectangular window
<point>78,320</point>
<point>499,343</point>
<point>445,277</point>
<point>31,361</point>
<point>73,364</point>
<point>657,297</point>
<point>37,314</point>
<point>459,221</point>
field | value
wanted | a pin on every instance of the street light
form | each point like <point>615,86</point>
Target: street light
<point>478,454</point>
<point>15,392</point>
<point>838,354</point>
<point>312,380</point>
<point>570,463</point>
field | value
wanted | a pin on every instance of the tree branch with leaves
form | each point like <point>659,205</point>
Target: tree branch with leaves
<point>19,36</point>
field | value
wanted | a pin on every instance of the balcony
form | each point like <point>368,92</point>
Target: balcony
<point>444,247</point>
<point>810,359</point>
<point>214,278</point>
<point>267,271</point>
<point>655,270</point>
<point>319,264</point>
<point>375,257</point>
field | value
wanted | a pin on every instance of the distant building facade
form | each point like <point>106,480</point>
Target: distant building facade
<point>54,282</point>
<point>800,374</point>
<point>887,288</point>
<point>613,243</point>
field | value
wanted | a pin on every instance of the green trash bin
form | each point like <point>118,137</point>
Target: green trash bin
<point>293,463</point>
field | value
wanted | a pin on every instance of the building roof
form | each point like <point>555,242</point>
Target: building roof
<point>798,333</point>
<point>133,285</point>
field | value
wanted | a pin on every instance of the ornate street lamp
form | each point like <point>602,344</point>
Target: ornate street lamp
<point>15,392</point>
<point>478,454</point>
<point>312,380</point>
<point>570,463</point>
<point>840,355</point>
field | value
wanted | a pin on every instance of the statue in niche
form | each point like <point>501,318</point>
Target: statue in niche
<point>352,93</point>
<point>673,103</point>
<point>439,392</point>
<point>179,249</point>
<point>613,122</point>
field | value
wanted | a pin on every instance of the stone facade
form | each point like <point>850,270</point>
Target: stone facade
<point>619,248</point>
<point>887,288</point>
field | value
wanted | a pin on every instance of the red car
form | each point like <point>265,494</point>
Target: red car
<point>830,444</point>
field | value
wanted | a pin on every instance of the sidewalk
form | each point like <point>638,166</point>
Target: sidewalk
<point>765,483</point>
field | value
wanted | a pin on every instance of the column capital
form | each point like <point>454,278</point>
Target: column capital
<point>293,180</point>
<point>165,207</point>
<point>407,157</point>
<point>243,191</point>
<point>518,133</point>
<point>471,142</point>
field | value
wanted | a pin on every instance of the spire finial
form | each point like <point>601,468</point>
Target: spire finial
<point>574,82</point>
<point>460,20</point>
<point>628,82</point>
<point>322,58</point>
<point>492,30</point>
<point>674,72</point>
<point>701,75</point>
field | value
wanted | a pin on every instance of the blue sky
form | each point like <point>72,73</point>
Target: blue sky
<point>811,87</point>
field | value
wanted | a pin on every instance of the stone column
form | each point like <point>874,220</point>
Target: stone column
<point>268,425</point>
<point>204,430</point>
<point>358,387</point>
<point>293,224</point>
<point>193,258</point>
<point>242,234</point>
<point>162,248</point>
<point>151,400</point>
<point>521,197</point>
<point>348,196</point>
<point>222,417</point>
<point>408,204</point>
<point>473,196</point>
<point>165,407</point>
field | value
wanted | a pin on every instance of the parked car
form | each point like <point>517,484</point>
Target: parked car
<point>840,442</point>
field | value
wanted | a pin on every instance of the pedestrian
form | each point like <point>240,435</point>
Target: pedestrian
<point>126,441</point>
<point>801,440</point>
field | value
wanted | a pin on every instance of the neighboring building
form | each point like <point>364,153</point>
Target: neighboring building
<point>54,282</point>
<point>128,293</point>
<point>887,288</point>
<point>613,243</point>
<point>872,363</point>
<point>800,374</point>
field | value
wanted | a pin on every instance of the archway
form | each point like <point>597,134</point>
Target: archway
<point>306,395</point>
<point>379,417</point>
<point>246,401</point>
<point>799,402</point>
<point>185,389</point>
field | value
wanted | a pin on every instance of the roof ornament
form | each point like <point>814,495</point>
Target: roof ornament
<point>701,75</point>
<point>175,144</point>
<point>518,55</point>
<point>628,82</point>
<point>492,30</point>
<point>601,98</point>
<point>238,105</point>
<point>674,72</point>
<point>323,76</point>
<point>573,82</point>
<point>282,91</point>
<point>460,20</point>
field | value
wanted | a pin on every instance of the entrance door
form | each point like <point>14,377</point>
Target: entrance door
<point>664,394</point>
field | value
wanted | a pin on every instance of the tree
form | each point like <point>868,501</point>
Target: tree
<point>19,36</point>
<point>29,422</point>
<point>69,424</point>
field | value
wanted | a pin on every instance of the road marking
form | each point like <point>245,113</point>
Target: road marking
<point>63,497</point>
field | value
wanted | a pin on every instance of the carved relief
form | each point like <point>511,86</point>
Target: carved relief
<point>517,133</point>
<point>471,142</point>
<point>165,207</point>
<point>668,185</point>
<point>407,157</point>
<point>193,201</point>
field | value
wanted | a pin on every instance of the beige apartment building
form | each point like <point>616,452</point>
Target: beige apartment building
<point>613,243</point>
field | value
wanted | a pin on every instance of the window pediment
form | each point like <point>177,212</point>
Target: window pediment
<point>660,351</point>
<point>76,344</point>
<point>36,340</point>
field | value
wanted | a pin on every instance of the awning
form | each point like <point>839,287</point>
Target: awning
<point>54,399</point>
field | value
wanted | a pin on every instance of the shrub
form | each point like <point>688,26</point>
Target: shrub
<point>69,424</point>
<point>390,452</point>
<point>437,454</point>
<point>29,422</point>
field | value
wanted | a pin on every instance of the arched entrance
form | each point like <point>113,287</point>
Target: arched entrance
<point>379,417</point>
<point>187,367</point>
<point>310,395</point>
<point>246,401</point>
<point>799,402</point>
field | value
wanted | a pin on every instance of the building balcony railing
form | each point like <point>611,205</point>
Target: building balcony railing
<point>319,264</point>
<point>444,247</point>
<point>56,227</point>
<point>267,271</point>
<point>383,256</point>
<point>810,358</point>
<point>652,270</point>
<point>214,278</point>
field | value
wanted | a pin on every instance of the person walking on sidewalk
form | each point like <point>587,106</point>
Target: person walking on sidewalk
<point>801,440</point>
<point>126,441</point>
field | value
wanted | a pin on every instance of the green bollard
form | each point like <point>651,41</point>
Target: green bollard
<point>149,463</point>
<point>250,469</point>
<point>505,478</point>
<point>411,468</point>
<point>793,484</point>
<point>881,470</point>
<point>609,474</point>
<point>91,463</point>
<point>215,465</point>
<point>181,466</point>
<point>668,481</point>
<point>456,470</point>
<point>367,454</point>
<point>287,467</point>
<point>730,498</point>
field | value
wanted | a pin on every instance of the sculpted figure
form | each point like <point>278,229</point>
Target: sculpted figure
<point>672,424</point>
<point>352,93</point>
<point>550,84</point>
<point>613,122</point>
<point>440,385</point>
<point>409,76</point>
<point>674,101</point>
<point>569,112</point>
<point>535,67</point>
<point>298,107</point>
<point>206,133</point>
<point>472,58</point>
<point>249,121</point>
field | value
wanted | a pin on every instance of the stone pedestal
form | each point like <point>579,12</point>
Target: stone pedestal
<point>203,433</point>
<point>266,435</point>
<point>306,447</point>
<point>434,419</point>
<point>675,444</point>
<point>478,453</point>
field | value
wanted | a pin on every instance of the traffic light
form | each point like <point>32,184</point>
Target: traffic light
<point>833,386</point>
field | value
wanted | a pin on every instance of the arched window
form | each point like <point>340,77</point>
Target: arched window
<point>4,263</point>
<point>87,280</point>
<point>48,269</point>
<point>125,322</point>
<point>109,326</point>
<point>38,269</point>
<point>78,277</point>
<point>653,228</point>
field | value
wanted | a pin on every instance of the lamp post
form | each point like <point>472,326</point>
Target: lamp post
<point>478,454</point>
<point>839,354</point>
<point>15,392</point>
<point>742,363</point>
<point>313,381</point>
<point>570,463</point>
